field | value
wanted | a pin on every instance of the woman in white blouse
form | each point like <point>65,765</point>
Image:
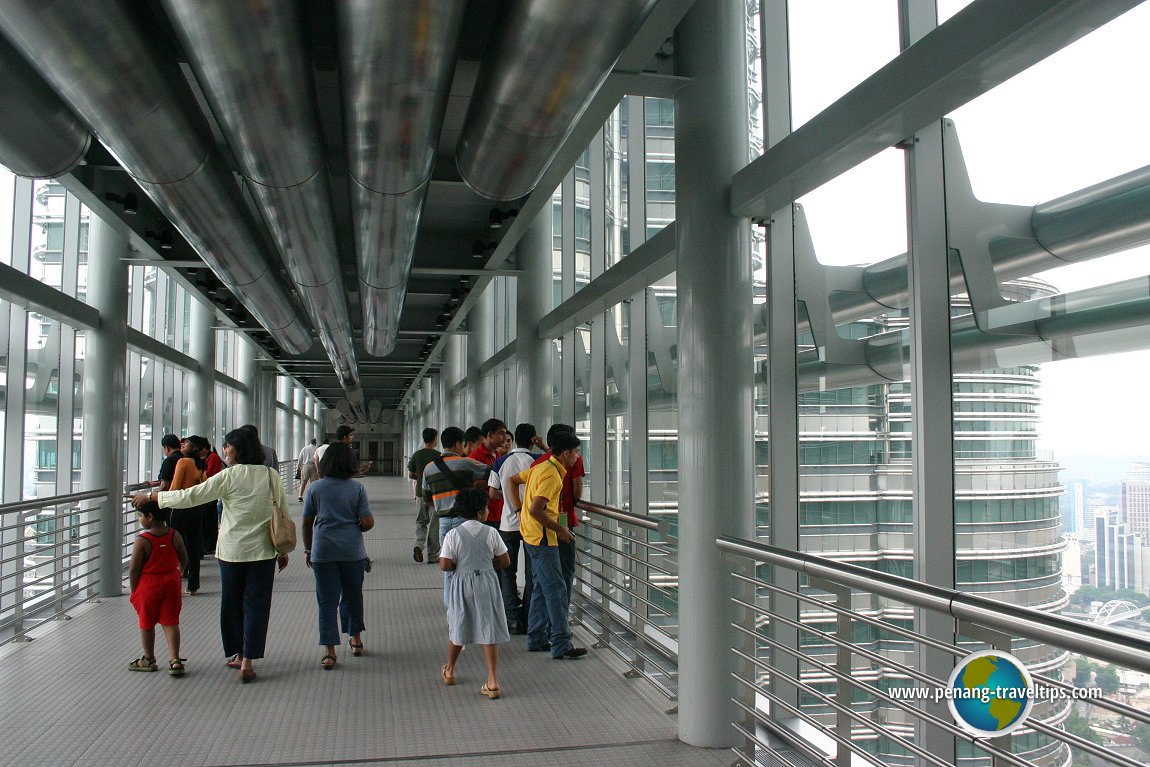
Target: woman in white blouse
<point>244,550</point>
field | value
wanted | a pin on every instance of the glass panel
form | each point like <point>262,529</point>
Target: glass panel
<point>618,416</point>
<point>41,416</point>
<point>662,398</point>
<point>47,239</point>
<point>1047,396</point>
<point>7,200</point>
<point>861,36</point>
<point>584,418</point>
<point>615,161</point>
<point>582,204</point>
<point>659,162</point>
<point>5,320</point>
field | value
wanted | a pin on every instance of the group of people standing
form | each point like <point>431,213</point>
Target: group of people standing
<point>249,490</point>
<point>485,499</point>
<point>481,501</point>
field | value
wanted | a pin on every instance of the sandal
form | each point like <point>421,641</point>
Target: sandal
<point>176,666</point>
<point>490,692</point>
<point>324,662</point>
<point>143,663</point>
<point>356,647</point>
<point>247,675</point>
<point>234,661</point>
<point>447,680</point>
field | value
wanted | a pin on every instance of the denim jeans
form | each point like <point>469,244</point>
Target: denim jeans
<point>547,617</point>
<point>338,590</point>
<point>245,606</point>
<point>567,566</point>
<point>508,586</point>
<point>446,525</point>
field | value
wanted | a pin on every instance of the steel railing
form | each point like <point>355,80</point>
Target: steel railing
<point>843,686</point>
<point>48,558</point>
<point>626,594</point>
<point>287,476</point>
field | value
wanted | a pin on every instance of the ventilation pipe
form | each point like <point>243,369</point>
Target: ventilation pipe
<point>40,137</point>
<point>134,98</point>
<point>397,65</point>
<point>251,64</point>
<point>546,66</point>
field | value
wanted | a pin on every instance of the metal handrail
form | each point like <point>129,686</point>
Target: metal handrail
<point>628,517</point>
<point>56,500</point>
<point>52,570</point>
<point>618,614</point>
<point>1008,620</point>
<point>1085,638</point>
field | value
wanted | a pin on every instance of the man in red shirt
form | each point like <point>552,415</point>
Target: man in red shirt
<point>494,435</point>
<point>572,492</point>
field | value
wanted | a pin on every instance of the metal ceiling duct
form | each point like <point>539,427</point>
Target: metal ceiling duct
<point>40,137</point>
<point>546,66</point>
<point>250,61</point>
<point>397,62</point>
<point>134,98</point>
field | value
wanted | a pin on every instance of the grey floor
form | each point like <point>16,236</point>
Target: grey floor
<point>67,698</point>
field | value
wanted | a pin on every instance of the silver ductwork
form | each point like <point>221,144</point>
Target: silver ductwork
<point>261,92</point>
<point>40,137</point>
<point>396,67</point>
<point>109,71</point>
<point>545,67</point>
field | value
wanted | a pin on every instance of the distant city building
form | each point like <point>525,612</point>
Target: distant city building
<point>1079,521</point>
<point>1122,556</point>
<point>1134,504</point>
<point>1072,563</point>
<point>1094,505</point>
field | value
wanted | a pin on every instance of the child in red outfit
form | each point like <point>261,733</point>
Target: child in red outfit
<point>158,559</point>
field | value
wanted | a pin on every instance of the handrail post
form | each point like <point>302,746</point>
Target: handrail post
<point>844,630</point>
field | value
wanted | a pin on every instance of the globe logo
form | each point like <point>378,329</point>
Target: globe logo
<point>990,693</point>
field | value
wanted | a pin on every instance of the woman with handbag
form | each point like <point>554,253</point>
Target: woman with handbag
<point>251,494</point>
<point>335,517</point>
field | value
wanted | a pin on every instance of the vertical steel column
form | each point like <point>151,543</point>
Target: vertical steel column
<point>105,371</point>
<point>452,372</point>
<point>931,385</point>
<point>782,345</point>
<point>716,417</point>
<point>566,290</point>
<point>480,346</point>
<point>246,405</point>
<point>16,399</point>
<point>202,383</point>
<point>534,363</point>
<point>65,397</point>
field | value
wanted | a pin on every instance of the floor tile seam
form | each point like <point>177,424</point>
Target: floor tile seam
<point>460,754</point>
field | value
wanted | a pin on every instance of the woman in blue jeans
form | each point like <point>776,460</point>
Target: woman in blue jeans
<point>335,517</point>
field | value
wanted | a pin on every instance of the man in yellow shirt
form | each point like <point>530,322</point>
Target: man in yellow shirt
<point>542,528</point>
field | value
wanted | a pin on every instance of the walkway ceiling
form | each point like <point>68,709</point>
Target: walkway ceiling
<point>390,90</point>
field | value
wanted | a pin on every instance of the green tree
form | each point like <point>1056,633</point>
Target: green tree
<point>1080,726</point>
<point>1083,671</point>
<point>1141,734</point>
<point>1107,679</point>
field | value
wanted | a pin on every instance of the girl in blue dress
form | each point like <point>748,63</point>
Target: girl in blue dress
<point>474,551</point>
